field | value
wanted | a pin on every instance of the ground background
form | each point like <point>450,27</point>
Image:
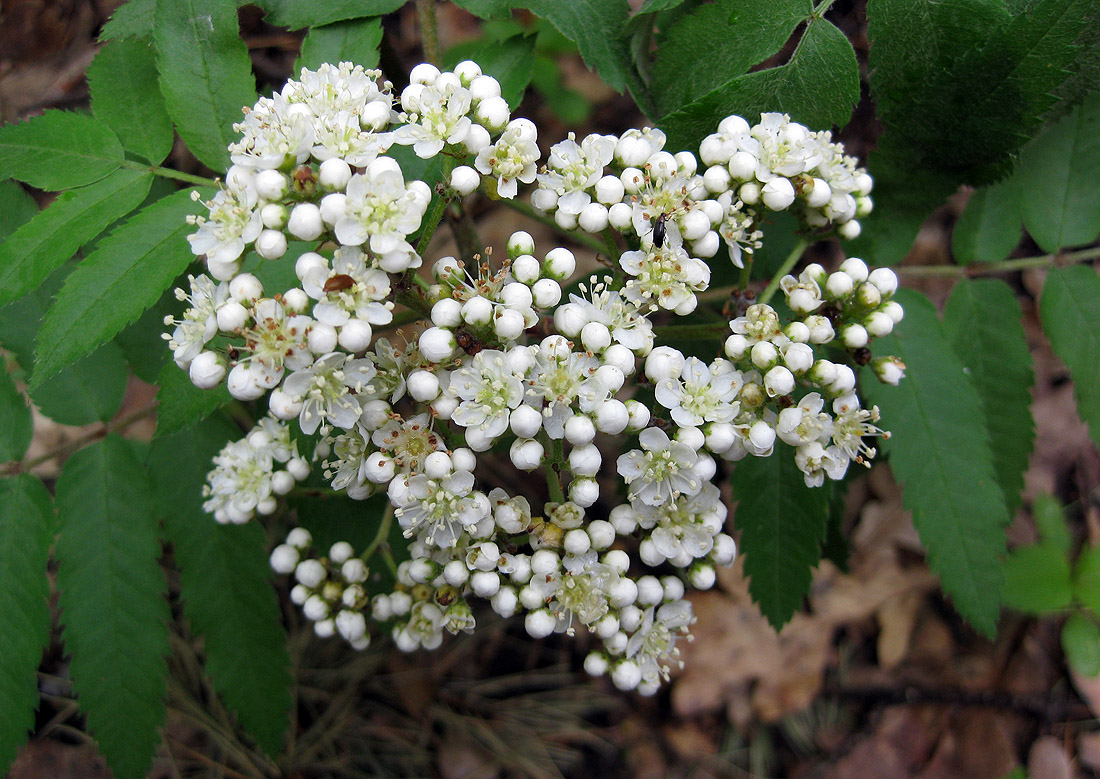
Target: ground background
<point>878,677</point>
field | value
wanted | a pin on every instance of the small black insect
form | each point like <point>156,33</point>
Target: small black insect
<point>659,231</point>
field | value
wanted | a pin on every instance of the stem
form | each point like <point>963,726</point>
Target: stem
<point>553,471</point>
<point>168,173</point>
<point>383,532</point>
<point>610,246</point>
<point>746,270</point>
<point>1005,266</point>
<point>425,15</point>
<point>518,205</point>
<point>464,231</point>
<point>437,211</point>
<point>79,443</point>
<point>784,269</point>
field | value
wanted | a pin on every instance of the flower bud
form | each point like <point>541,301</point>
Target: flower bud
<point>437,344</point>
<point>559,264</point>
<point>584,491</point>
<point>274,215</point>
<point>593,218</point>
<point>620,216</point>
<point>271,244</point>
<point>526,454</point>
<point>464,180</point>
<point>271,184</point>
<point>355,335</point>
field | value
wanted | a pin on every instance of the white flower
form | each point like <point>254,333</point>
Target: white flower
<point>489,390</point>
<point>782,147</point>
<point>350,289</point>
<point>578,588</point>
<point>325,389</point>
<point>276,340</point>
<point>759,324</point>
<point>622,317</point>
<point>409,441</point>
<point>200,321</point>
<point>851,424</point>
<point>242,481</point>
<point>653,644</point>
<point>438,510</point>
<point>347,466</point>
<point>736,229</point>
<point>661,471</point>
<point>701,394</point>
<point>667,277</point>
<point>685,526</point>
<point>234,222</point>
<point>275,133</point>
<point>380,208</point>
<point>512,158</point>
<point>342,136</point>
<point>561,377</point>
<point>574,168</point>
<point>423,629</point>
<point>805,422</point>
<point>815,461</point>
<point>435,116</point>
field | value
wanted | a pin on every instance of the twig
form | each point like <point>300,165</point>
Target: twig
<point>1020,263</point>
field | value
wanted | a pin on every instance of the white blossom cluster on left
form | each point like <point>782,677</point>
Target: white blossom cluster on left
<point>511,354</point>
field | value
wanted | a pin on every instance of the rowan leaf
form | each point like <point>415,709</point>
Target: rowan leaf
<point>59,150</point>
<point>297,14</point>
<point>180,404</point>
<point>1058,175</point>
<point>1037,579</point>
<point>989,227</point>
<point>487,9</point>
<point>510,61</point>
<point>113,611</point>
<point>782,524</point>
<point>982,319</point>
<point>50,239</point>
<point>125,275</point>
<point>1086,578</point>
<point>17,207</point>
<point>132,19</point>
<point>26,530</point>
<point>1081,643</point>
<point>205,74</point>
<point>356,40</point>
<point>1070,310</point>
<point>1050,520</point>
<point>940,453</point>
<point>125,96</point>
<point>16,422</point>
<point>225,583</point>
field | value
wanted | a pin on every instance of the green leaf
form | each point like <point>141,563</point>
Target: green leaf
<point>225,583</point>
<point>26,530</point>
<point>1086,578</point>
<point>113,286</point>
<point>353,41</point>
<point>782,524</point>
<point>123,82</point>
<point>989,227</point>
<point>338,518</point>
<point>88,391</point>
<point>940,454</point>
<point>487,9</point>
<point>181,404</point>
<point>16,208</point>
<point>960,86</point>
<point>205,74</point>
<point>1070,310</point>
<point>132,19</point>
<point>141,343</point>
<point>1058,175</point>
<point>1037,579</point>
<point>297,14</point>
<point>16,422</point>
<point>1081,643</point>
<point>59,150</point>
<point>982,319</point>
<point>510,61</point>
<point>735,34</point>
<point>817,87</point>
<point>112,600</point>
<point>1050,520</point>
<point>598,29</point>
<point>50,239</point>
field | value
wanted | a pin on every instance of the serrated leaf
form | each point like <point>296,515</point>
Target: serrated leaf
<point>1050,520</point>
<point>225,583</point>
<point>510,61</point>
<point>1070,310</point>
<point>59,150</point>
<point>940,453</point>
<point>26,530</point>
<point>989,227</point>
<point>113,286</point>
<point>205,74</point>
<point>735,34</point>
<point>112,600</point>
<point>1058,175</point>
<point>297,14</point>
<point>352,41</point>
<point>132,19</point>
<point>142,343</point>
<point>51,238</point>
<point>16,423</point>
<point>17,208</point>
<point>88,391</point>
<point>960,86</point>
<point>818,87</point>
<point>598,27</point>
<point>486,9</point>
<point>123,82</point>
<point>782,524</point>
<point>1037,579</point>
<point>1086,578</point>
<point>982,319</point>
<point>181,404</point>
<point>1081,643</point>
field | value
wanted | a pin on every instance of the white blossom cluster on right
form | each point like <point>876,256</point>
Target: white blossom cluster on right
<point>520,354</point>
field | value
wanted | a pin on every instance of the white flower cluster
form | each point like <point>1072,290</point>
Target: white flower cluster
<point>507,359</point>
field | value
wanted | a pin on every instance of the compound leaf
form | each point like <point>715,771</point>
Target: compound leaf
<point>132,19</point>
<point>113,286</point>
<point>225,583</point>
<point>940,453</point>
<point>16,423</point>
<point>59,150</point>
<point>982,320</point>
<point>782,524</point>
<point>26,530</point>
<point>113,610</point>
<point>123,82</point>
<point>989,227</point>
